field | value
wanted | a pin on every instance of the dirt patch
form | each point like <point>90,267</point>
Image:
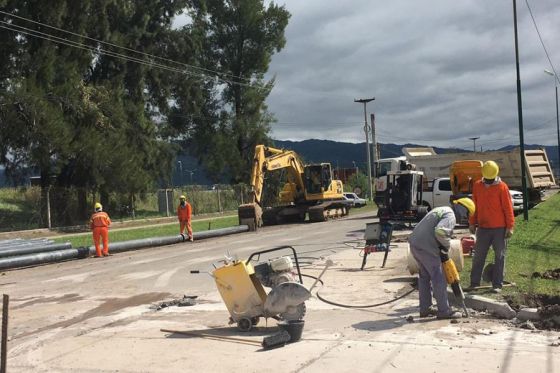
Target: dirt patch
<point>548,308</point>
<point>110,306</point>
<point>551,274</point>
<point>67,298</point>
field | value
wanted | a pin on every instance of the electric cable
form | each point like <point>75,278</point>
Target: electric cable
<point>542,42</point>
<point>120,46</point>
<point>63,41</point>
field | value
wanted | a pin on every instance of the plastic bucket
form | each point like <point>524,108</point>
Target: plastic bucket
<point>294,328</point>
<point>467,244</point>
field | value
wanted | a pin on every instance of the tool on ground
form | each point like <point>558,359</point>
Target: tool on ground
<point>213,336</point>
<point>378,238</point>
<point>327,265</point>
<point>241,286</point>
<point>453,279</point>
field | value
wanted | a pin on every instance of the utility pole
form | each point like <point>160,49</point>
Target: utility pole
<point>366,130</point>
<point>520,118</point>
<point>474,143</point>
<point>374,145</point>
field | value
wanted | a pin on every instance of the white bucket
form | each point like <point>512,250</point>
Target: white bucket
<point>455,254</point>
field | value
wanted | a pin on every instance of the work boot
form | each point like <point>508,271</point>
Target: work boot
<point>497,290</point>
<point>191,238</point>
<point>431,311</point>
<point>450,315</point>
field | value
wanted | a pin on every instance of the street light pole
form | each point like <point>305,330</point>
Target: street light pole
<point>180,172</point>
<point>557,119</point>
<point>366,129</point>
<point>520,118</point>
<point>474,143</point>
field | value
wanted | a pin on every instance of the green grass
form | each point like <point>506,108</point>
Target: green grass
<point>534,247</point>
<point>161,230</point>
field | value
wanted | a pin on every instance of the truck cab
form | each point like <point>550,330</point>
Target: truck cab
<point>437,193</point>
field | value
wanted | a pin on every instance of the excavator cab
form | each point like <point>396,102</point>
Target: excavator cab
<point>318,178</point>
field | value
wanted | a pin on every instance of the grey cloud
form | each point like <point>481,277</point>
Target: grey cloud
<point>440,70</point>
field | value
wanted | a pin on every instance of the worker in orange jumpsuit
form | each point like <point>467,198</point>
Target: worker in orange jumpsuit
<point>99,224</point>
<point>184,212</point>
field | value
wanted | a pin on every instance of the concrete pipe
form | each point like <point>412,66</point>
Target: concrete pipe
<point>84,252</point>
<point>41,258</point>
<point>455,254</point>
<point>19,251</point>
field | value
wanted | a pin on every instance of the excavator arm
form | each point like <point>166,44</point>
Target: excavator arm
<point>268,159</point>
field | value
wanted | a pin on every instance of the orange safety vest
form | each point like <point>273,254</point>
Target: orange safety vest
<point>184,212</point>
<point>99,220</point>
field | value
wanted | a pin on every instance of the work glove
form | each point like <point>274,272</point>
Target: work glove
<point>472,228</point>
<point>443,253</point>
<point>509,233</point>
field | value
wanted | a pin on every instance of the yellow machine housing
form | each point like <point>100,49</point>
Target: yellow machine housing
<point>243,294</point>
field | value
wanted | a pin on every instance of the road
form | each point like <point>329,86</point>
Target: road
<point>95,315</point>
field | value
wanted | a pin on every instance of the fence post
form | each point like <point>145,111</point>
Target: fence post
<point>49,207</point>
<point>219,201</point>
<point>4,347</point>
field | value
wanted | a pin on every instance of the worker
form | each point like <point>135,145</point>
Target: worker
<point>493,224</point>
<point>184,212</point>
<point>99,224</point>
<point>430,240</point>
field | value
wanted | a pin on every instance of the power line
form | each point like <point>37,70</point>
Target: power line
<point>122,47</point>
<point>70,43</point>
<point>542,42</point>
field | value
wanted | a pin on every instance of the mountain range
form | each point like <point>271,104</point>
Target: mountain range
<point>339,154</point>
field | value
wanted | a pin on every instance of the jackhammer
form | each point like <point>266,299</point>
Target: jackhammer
<point>452,277</point>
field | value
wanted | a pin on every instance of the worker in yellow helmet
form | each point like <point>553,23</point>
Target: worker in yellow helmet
<point>430,239</point>
<point>99,224</point>
<point>493,224</point>
<point>184,212</point>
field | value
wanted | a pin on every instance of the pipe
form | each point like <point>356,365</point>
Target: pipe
<point>84,252</point>
<point>19,251</point>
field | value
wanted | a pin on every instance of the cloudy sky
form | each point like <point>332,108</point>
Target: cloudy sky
<point>441,71</point>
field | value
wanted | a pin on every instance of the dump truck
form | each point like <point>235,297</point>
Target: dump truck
<point>309,190</point>
<point>539,174</point>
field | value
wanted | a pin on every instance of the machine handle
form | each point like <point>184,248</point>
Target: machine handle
<point>276,249</point>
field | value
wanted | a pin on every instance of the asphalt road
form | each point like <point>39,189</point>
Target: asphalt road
<point>95,315</point>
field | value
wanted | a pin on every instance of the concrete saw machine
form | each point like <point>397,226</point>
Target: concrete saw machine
<point>242,288</point>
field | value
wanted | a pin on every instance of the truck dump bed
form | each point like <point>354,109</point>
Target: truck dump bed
<point>539,172</point>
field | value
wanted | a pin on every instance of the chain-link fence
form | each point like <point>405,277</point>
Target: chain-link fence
<point>30,208</point>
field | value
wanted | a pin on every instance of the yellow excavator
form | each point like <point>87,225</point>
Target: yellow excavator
<point>308,190</point>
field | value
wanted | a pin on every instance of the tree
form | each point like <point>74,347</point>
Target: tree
<point>239,40</point>
<point>82,114</point>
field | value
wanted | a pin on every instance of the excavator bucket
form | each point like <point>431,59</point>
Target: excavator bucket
<point>250,214</point>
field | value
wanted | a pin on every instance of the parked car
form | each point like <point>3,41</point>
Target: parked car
<point>516,200</point>
<point>356,201</point>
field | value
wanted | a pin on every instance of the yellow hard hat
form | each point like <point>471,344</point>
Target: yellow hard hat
<point>97,205</point>
<point>182,197</point>
<point>468,203</point>
<point>490,170</point>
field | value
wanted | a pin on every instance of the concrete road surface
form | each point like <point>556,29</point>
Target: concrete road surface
<point>95,315</point>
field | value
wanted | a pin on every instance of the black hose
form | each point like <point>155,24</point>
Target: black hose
<point>352,306</point>
<point>365,306</point>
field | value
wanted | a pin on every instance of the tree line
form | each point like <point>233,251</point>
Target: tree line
<point>101,95</point>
